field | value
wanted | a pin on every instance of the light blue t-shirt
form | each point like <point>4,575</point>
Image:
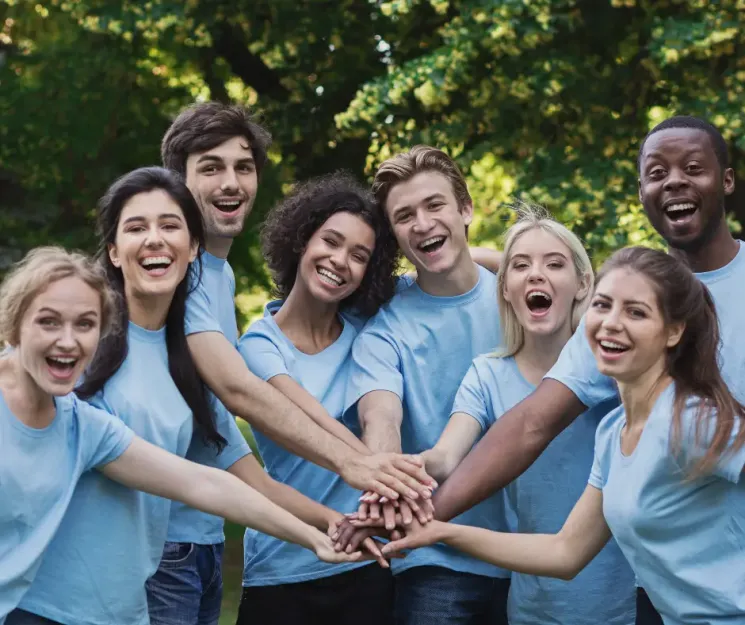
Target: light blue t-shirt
<point>684,538</point>
<point>542,499</point>
<point>419,347</point>
<point>269,353</point>
<point>39,469</point>
<point>577,368</point>
<point>111,539</point>
<point>210,308</point>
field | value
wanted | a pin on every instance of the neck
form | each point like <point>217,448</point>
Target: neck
<point>218,246</point>
<point>540,352</point>
<point>718,251</point>
<point>148,312</point>
<point>26,400</point>
<point>459,280</point>
<point>639,396</point>
<point>308,323</point>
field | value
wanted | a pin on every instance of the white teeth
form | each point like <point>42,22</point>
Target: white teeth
<point>612,345</point>
<point>430,241</point>
<point>156,260</point>
<point>534,294</point>
<point>63,361</point>
<point>674,208</point>
<point>330,276</point>
<point>228,203</point>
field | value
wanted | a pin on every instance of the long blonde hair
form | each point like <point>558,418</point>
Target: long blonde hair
<point>533,217</point>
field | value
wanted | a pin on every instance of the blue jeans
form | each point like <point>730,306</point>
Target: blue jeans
<point>432,595</point>
<point>187,587</point>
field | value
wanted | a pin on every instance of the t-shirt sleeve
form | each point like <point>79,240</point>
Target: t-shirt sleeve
<point>199,313</point>
<point>104,437</point>
<point>695,440</point>
<point>262,356</point>
<point>376,366</point>
<point>236,447</point>
<point>471,399</point>
<point>577,369</point>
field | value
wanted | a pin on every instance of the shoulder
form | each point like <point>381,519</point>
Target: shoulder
<point>608,428</point>
<point>261,332</point>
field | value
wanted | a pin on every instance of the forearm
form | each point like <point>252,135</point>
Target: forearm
<point>534,554</point>
<point>437,464</point>
<point>510,446</point>
<point>380,433</point>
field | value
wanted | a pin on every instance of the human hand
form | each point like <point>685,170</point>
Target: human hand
<point>373,506</point>
<point>389,475</point>
<point>323,547</point>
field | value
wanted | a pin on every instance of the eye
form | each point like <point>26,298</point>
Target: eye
<point>656,173</point>
<point>86,324</point>
<point>600,304</point>
<point>247,168</point>
<point>208,169</point>
<point>48,322</point>
<point>133,229</point>
<point>556,264</point>
<point>330,242</point>
<point>436,205</point>
<point>171,226</point>
<point>637,313</point>
<point>402,217</point>
<point>519,265</point>
<point>694,168</point>
<point>360,258</point>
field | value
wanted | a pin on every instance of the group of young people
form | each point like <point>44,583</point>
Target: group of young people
<point>583,434</point>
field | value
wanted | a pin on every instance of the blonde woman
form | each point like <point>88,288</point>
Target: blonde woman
<point>543,290</point>
<point>54,307</point>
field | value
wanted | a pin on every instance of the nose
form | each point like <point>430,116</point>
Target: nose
<point>676,180</point>
<point>423,222</point>
<point>338,257</point>
<point>536,275</point>
<point>154,238</point>
<point>612,320</point>
<point>229,180</point>
<point>66,340</point>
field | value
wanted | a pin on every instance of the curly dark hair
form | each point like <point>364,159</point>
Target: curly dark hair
<point>291,224</point>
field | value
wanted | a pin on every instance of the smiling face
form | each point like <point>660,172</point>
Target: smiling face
<point>626,329</point>
<point>335,260</point>
<point>429,226</point>
<point>541,283</point>
<point>59,334</point>
<point>153,246</point>
<point>682,187</point>
<point>223,181</point>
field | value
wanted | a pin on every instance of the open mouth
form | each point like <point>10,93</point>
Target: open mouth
<point>538,302</point>
<point>680,211</point>
<point>61,367</point>
<point>329,277</point>
<point>431,245</point>
<point>156,265</point>
<point>227,206</point>
<point>612,348</point>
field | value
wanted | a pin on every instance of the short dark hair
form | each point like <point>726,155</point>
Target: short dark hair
<point>113,349</point>
<point>291,224</point>
<point>695,123</point>
<point>206,125</point>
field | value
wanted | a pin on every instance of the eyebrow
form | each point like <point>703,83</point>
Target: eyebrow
<point>161,216</point>
<point>559,254</point>
<point>429,198</point>
<point>46,309</point>
<point>213,158</point>
<point>343,238</point>
<point>627,302</point>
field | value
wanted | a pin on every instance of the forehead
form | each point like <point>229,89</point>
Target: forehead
<point>352,227</point>
<point>150,205</point>
<point>416,189</point>
<point>68,296</point>
<point>675,142</point>
<point>538,242</point>
<point>234,149</point>
<point>625,283</point>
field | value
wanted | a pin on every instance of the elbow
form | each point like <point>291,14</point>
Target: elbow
<point>568,562</point>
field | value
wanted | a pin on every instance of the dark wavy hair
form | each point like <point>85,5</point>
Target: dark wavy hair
<point>113,349</point>
<point>206,125</point>
<point>693,363</point>
<point>291,224</point>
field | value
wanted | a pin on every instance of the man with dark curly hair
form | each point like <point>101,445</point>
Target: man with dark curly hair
<point>221,151</point>
<point>409,362</point>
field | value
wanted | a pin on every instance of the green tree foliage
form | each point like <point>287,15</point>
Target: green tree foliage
<point>537,99</point>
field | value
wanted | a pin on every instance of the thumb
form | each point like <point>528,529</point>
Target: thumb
<point>397,545</point>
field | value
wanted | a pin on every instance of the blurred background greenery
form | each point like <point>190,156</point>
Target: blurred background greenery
<point>544,100</point>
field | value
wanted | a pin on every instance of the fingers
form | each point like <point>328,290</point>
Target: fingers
<point>358,538</point>
<point>367,523</point>
<point>363,510</point>
<point>428,510</point>
<point>413,467</point>
<point>398,482</point>
<point>397,545</point>
<point>372,548</point>
<point>387,486</point>
<point>374,512</point>
<point>371,497</point>
<point>345,534</point>
<point>389,516</point>
<point>406,514</point>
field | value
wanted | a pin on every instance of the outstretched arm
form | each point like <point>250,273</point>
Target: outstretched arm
<point>510,446</point>
<point>269,411</point>
<point>455,441</point>
<point>151,469</point>
<point>487,258</point>
<point>561,555</point>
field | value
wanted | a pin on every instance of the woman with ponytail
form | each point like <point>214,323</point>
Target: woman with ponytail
<point>666,478</point>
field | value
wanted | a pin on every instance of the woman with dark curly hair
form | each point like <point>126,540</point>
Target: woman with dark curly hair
<point>333,259</point>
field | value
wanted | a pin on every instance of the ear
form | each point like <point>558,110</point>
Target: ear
<point>728,181</point>
<point>584,288</point>
<point>639,190</point>
<point>114,255</point>
<point>506,295</point>
<point>467,212</point>
<point>675,333</point>
<point>193,250</point>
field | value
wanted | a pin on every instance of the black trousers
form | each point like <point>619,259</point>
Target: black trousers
<point>646,613</point>
<point>21,617</point>
<point>363,596</point>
